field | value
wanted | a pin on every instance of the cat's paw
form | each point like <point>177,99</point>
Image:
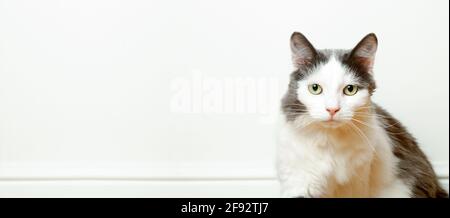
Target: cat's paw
<point>292,194</point>
<point>297,191</point>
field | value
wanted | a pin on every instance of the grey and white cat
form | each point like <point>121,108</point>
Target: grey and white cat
<point>335,142</point>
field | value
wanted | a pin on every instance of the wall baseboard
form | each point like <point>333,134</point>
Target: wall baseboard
<point>136,171</point>
<point>142,189</point>
<point>146,180</point>
<point>133,189</point>
<point>151,171</point>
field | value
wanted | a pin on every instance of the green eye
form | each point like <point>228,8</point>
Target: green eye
<point>315,89</point>
<point>350,90</point>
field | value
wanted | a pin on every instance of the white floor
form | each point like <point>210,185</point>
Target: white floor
<point>143,188</point>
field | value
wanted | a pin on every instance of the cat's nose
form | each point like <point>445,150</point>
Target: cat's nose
<point>333,111</point>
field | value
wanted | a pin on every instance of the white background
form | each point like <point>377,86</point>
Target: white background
<point>87,89</point>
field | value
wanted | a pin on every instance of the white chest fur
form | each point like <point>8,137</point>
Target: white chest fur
<point>341,162</point>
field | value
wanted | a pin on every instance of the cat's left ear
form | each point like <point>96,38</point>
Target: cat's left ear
<point>303,52</point>
<point>364,53</point>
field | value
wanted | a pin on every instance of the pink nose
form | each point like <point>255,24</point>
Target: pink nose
<point>333,111</point>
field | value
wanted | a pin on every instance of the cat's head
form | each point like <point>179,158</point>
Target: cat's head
<point>330,87</point>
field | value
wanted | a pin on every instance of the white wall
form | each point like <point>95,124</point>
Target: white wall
<point>142,98</point>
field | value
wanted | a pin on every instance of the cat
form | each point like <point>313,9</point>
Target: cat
<point>334,141</point>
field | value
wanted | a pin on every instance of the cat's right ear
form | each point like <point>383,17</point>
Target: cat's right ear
<point>303,52</point>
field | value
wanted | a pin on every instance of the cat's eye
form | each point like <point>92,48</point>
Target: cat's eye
<point>350,90</point>
<point>315,89</point>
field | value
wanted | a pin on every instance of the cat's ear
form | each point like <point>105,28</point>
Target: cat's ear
<point>364,53</point>
<point>303,52</point>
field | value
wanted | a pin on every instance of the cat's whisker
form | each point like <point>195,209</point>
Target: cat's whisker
<point>361,133</point>
<point>363,123</point>
<point>385,127</point>
<point>369,114</point>
<point>305,125</point>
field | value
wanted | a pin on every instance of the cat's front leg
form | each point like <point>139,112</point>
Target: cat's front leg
<point>302,186</point>
<point>302,169</point>
<point>302,177</point>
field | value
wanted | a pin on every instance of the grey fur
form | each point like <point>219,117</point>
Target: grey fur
<point>413,167</point>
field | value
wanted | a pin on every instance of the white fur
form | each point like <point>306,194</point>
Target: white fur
<point>343,158</point>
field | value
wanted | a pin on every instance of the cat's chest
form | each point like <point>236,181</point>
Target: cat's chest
<point>342,156</point>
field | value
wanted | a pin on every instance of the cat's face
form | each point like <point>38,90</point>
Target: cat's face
<point>332,93</point>
<point>330,87</point>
